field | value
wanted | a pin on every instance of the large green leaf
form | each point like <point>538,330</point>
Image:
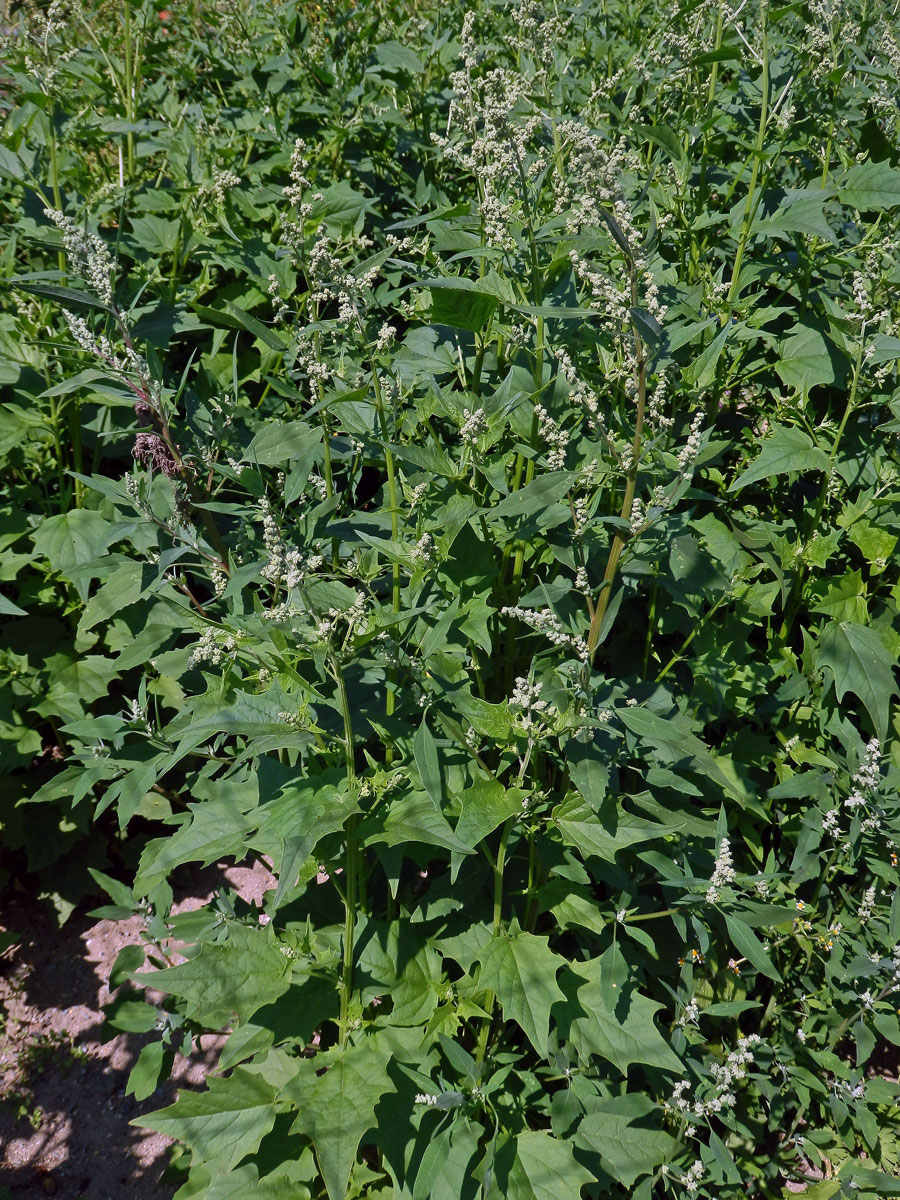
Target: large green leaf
<point>126,585</point>
<point>293,823</point>
<point>606,832</point>
<point>870,186</point>
<point>278,442</point>
<point>750,947</point>
<point>538,1166</point>
<point>412,819</point>
<point>73,538</point>
<point>609,1017</point>
<point>232,978</point>
<point>485,806</point>
<point>428,762</point>
<point>859,662</point>
<point>674,741</point>
<point>222,1124</point>
<point>625,1132</point>
<point>445,1172</point>
<point>807,360</point>
<point>337,1106</point>
<point>460,303</point>
<point>521,969</point>
<point>785,449</point>
<point>216,829</point>
<point>535,496</point>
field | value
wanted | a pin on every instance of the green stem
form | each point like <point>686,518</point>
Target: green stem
<point>749,209</point>
<point>485,1031</point>
<point>129,90</point>
<point>618,544</point>
<point>395,510</point>
<point>54,183</point>
<point>351,861</point>
<point>710,98</point>
<point>792,607</point>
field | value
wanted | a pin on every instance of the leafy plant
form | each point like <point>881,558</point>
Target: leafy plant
<point>491,526</point>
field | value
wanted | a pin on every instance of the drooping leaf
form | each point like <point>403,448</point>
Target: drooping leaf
<point>235,977</point>
<point>338,1106</point>
<point>786,449</point>
<point>609,1017</point>
<point>870,186</point>
<point>626,1133</point>
<point>412,818</point>
<point>521,969</point>
<point>604,833</point>
<point>222,1124</point>
<point>858,661</point>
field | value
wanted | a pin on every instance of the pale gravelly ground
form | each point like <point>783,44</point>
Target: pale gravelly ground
<point>55,1065</point>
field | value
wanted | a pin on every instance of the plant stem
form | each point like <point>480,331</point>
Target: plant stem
<point>618,543</point>
<point>792,607</point>
<point>749,207</point>
<point>129,90</point>
<point>395,567</point>
<point>485,1031</point>
<point>351,860</point>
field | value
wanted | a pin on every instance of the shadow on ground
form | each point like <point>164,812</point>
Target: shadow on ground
<point>64,1116</point>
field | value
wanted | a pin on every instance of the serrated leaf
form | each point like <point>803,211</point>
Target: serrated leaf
<point>870,186</point>
<point>125,586</point>
<point>338,1106</point>
<point>73,538</point>
<point>609,1017</point>
<point>485,806</point>
<point>222,1124</point>
<point>216,829</point>
<point>626,1133</point>
<point>807,361</point>
<point>237,976</point>
<point>859,662</point>
<point>412,818</point>
<point>785,449</point>
<point>544,1168</point>
<point>291,825</point>
<point>605,833</point>
<point>521,969</point>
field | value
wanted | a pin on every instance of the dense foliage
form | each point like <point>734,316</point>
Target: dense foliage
<point>451,454</point>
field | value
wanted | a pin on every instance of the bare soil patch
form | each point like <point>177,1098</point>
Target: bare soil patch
<point>64,1116</point>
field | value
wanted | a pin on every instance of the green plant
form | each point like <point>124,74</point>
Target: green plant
<point>506,558</point>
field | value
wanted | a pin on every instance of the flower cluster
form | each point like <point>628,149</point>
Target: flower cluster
<point>88,254</point>
<point>723,871</point>
<point>526,698</point>
<point>724,1075</point>
<point>213,647</point>
<point>548,623</point>
<point>555,437</point>
<point>152,451</point>
<point>473,426</point>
